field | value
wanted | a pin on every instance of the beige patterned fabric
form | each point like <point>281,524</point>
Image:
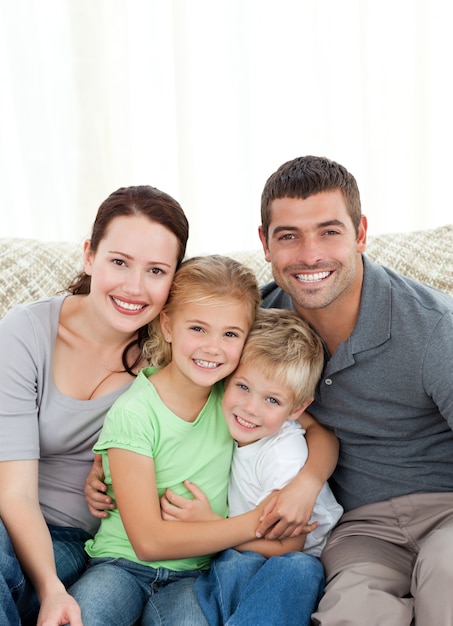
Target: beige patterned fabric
<point>426,255</point>
<point>31,269</point>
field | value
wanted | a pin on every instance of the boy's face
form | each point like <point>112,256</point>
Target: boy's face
<point>254,406</point>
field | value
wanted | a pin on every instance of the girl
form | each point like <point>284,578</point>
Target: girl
<point>166,428</point>
<point>63,362</point>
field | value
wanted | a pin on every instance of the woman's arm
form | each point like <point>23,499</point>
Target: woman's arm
<point>99,503</point>
<point>288,513</point>
<point>21,514</point>
<point>152,538</point>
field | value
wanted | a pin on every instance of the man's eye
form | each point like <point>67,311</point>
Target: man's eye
<point>287,237</point>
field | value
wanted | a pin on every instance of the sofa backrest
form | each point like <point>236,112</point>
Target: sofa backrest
<point>31,269</point>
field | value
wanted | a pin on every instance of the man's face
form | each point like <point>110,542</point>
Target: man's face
<point>313,248</point>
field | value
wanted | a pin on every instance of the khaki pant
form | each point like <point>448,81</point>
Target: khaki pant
<point>391,564</point>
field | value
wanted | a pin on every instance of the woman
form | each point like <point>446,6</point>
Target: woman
<point>63,362</point>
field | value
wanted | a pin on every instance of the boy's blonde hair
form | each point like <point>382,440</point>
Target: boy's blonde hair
<point>286,350</point>
<point>212,279</point>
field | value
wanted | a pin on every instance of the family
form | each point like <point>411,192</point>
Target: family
<point>264,455</point>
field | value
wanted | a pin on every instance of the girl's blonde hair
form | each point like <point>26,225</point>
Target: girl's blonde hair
<point>285,349</point>
<point>209,279</point>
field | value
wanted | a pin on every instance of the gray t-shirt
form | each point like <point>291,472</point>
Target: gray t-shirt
<point>39,422</point>
<point>387,392</point>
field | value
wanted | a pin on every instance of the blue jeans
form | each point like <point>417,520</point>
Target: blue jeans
<point>18,601</point>
<point>246,588</point>
<point>118,591</point>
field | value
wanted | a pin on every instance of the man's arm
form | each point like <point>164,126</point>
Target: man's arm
<point>289,510</point>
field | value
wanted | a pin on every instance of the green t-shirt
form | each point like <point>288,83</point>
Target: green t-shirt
<point>199,451</point>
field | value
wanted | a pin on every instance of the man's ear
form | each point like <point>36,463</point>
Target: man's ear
<point>88,257</point>
<point>361,235</point>
<point>299,410</point>
<point>262,237</point>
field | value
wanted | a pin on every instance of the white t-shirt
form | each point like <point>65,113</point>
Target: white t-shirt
<point>271,463</point>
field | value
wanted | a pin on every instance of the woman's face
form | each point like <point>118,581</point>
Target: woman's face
<point>131,272</point>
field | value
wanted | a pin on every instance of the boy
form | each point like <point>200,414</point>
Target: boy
<point>275,381</point>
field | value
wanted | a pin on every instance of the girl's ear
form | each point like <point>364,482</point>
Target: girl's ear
<point>88,257</point>
<point>165,326</point>
<point>299,410</point>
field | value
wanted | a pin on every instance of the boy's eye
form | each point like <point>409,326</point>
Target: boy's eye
<point>272,400</point>
<point>243,387</point>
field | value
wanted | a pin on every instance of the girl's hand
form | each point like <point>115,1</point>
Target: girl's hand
<point>178,508</point>
<point>98,502</point>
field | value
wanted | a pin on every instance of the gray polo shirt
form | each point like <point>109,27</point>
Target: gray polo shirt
<point>387,392</point>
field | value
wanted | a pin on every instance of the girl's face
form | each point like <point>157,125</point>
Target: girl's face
<point>131,272</point>
<point>206,339</point>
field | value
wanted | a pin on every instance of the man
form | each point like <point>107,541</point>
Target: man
<point>386,391</point>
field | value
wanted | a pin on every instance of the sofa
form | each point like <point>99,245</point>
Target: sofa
<point>31,269</point>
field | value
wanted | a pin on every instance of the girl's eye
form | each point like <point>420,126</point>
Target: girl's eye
<point>272,400</point>
<point>231,333</point>
<point>197,329</point>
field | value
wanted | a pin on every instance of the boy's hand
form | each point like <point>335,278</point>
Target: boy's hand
<point>98,502</point>
<point>178,508</point>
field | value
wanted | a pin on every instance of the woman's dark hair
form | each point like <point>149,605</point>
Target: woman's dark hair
<point>144,200</point>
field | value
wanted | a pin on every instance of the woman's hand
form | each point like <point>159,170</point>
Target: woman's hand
<point>95,490</point>
<point>178,508</point>
<point>59,608</point>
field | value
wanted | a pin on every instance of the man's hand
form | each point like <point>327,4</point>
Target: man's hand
<point>286,514</point>
<point>178,508</point>
<point>98,503</point>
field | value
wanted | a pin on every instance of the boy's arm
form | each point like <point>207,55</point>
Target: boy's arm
<point>290,510</point>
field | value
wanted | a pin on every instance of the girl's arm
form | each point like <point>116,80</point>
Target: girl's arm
<point>29,534</point>
<point>178,508</point>
<point>152,538</point>
<point>289,511</point>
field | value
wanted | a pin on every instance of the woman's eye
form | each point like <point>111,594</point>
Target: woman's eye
<point>119,262</point>
<point>157,271</point>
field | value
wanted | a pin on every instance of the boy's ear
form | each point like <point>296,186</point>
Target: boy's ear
<point>299,410</point>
